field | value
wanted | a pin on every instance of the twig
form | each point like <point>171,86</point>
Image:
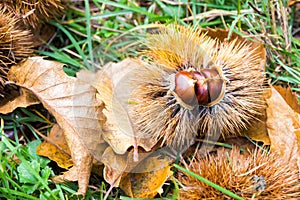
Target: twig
<point>215,13</point>
<point>50,141</point>
<point>256,10</point>
<point>175,3</point>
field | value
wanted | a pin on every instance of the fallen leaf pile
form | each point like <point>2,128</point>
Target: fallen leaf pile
<point>94,125</point>
<point>79,112</point>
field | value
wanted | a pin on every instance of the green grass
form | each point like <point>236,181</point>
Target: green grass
<point>23,173</point>
<point>95,38</point>
<point>99,31</point>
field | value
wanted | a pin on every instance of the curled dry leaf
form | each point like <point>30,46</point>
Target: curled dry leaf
<point>283,127</point>
<point>73,104</point>
<point>25,99</point>
<point>114,85</point>
<point>150,182</point>
<point>280,125</point>
<point>115,166</point>
<point>290,97</point>
<point>55,147</point>
<point>258,130</point>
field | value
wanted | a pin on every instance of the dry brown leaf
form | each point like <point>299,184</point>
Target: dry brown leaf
<point>25,99</point>
<point>118,165</point>
<point>290,97</point>
<point>55,147</point>
<point>258,130</point>
<point>73,104</point>
<point>114,89</point>
<point>150,182</point>
<point>283,127</point>
<point>115,166</point>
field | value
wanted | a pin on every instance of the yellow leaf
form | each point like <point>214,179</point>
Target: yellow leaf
<point>56,148</point>
<point>155,172</point>
<point>290,97</point>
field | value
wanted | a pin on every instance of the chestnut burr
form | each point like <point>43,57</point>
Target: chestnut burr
<point>192,84</point>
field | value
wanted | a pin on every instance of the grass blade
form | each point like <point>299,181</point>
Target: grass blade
<point>88,33</point>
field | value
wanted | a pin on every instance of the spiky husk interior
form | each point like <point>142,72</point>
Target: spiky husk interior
<point>158,111</point>
<point>275,178</point>
<point>15,43</point>
<point>35,12</point>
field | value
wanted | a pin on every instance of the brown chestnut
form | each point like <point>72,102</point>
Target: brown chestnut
<point>206,87</point>
<point>185,87</point>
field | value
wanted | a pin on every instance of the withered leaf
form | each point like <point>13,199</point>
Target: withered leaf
<point>148,183</point>
<point>115,166</point>
<point>119,165</point>
<point>258,130</point>
<point>25,99</point>
<point>114,89</point>
<point>73,104</point>
<point>283,127</point>
<point>56,148</point>
<point>290,97</point>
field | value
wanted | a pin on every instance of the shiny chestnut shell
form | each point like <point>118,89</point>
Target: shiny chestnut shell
<point>205,87</point>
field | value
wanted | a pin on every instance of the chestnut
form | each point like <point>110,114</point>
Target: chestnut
<point>185,87</point>
<point>205,87</point>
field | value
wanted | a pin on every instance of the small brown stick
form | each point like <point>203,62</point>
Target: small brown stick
<point>256,10</point>
<point>50,141</point>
